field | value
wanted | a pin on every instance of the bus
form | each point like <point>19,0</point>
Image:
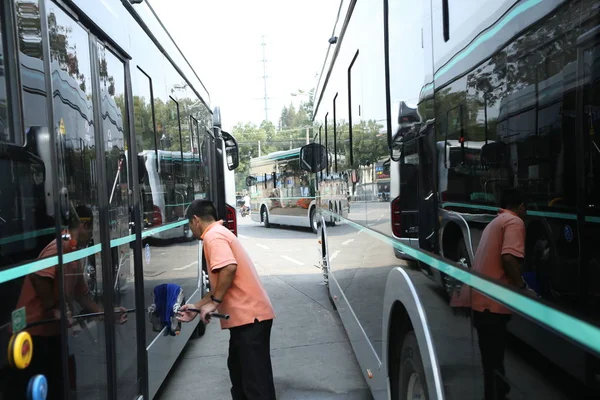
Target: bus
<point>283,193</point>
<point>167,192</point>
<point>472,98</point>
<point>382,178</point>
<point>103,125</point>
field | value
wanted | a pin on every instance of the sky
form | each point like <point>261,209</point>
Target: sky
<point>222,41</point>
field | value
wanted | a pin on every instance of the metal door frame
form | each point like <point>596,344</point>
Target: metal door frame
<point>134,204</point>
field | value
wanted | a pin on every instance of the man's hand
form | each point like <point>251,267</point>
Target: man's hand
<point>186,316</point>
<point>205,311</point>
<point>123,316</point>
<point>57,314</point>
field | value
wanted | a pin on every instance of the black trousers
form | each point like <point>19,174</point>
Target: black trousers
<point>491,331</point>
<point>249,361</point>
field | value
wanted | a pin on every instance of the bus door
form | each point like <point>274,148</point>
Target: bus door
<point>407,203</point>
<point>589,173</point>
<point>427,201</point>
<point>119,224</point>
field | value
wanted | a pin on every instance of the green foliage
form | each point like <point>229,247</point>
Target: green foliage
<point>291,133</point>
<point>369,140</point>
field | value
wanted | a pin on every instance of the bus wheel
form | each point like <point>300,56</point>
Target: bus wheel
<point>314,224</point>
<point>331,218</point>
<point>265,216</point>
<point>200,330</point>
<point>411,378</point>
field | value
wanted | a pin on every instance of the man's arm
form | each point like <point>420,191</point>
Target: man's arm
<point>224,280</point>
<point>513,250</point>
<point>226,275</point>
<point>88,303</point>
<point>512,268</point>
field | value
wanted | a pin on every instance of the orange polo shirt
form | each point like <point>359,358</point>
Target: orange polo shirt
<point>74,288</point>
<point>246,299</point>
<point>504,235</point>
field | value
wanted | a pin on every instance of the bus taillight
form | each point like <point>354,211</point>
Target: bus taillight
<point>396,217</point>
<point>156,216</point>
<point>231,219</point>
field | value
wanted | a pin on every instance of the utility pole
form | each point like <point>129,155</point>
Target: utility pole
<point>264,61</point>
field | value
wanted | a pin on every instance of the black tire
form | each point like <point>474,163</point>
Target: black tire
<point>265,216</point>
<point>200,330</point>
<point>331,218</point>
<point>313,221</point>
<point>411,374</point>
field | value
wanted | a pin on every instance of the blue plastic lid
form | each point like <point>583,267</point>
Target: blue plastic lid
<point>37,388</point>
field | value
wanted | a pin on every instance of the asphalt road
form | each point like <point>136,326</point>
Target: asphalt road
<point>312,357</point>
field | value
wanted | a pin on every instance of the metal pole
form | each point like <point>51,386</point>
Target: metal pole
<point>307,136</point>
<point>264,61</point>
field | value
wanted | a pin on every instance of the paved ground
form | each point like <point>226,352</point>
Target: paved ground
<point>312,358</point>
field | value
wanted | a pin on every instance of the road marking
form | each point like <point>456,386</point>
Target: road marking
<point>262,246</point>
<point>186,266</point>
<point>242,236</point>
<point>334,255</point>
<point>361,231</point>
<point>347,242</point>
<point>290,259</point>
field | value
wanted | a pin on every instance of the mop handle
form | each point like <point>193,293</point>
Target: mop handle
<point>213,314</point>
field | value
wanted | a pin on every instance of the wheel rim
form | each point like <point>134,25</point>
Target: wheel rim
<point>415,389</point>
<point>265,217</point>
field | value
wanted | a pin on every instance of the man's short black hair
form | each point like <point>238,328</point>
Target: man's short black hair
<point>79,215</point>
<point>203,209</point>
<point>512,198</point>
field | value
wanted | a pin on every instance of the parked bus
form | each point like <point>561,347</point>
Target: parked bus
<point>167,192</point>
<point>475,97</point>
<point>283,193</point>
<point>97,105</point>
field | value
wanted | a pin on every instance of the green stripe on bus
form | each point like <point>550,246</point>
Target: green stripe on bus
<point>22,270</point>
<point>38,265</point>
<point>521,8</point>
<point>544,214</point>
<point>122,241</point>
<point>582,332</point>
<point>283,198</point>
<point>83,253</point>
<point>178,205</point>
<point>163,228</point>
<point>26,235</point>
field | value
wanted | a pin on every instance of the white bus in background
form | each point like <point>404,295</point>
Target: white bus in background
<point>168,186</point>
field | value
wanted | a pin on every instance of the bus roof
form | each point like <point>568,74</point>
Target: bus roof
<point>277,155</point>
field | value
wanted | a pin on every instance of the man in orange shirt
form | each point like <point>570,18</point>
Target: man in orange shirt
<point>237,291</point>
<point>499,256</point>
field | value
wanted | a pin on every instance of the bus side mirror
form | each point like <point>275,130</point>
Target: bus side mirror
<point>232,151</point>
<point>313,157</point>
<point>396,150</point>
<point>250,181</point>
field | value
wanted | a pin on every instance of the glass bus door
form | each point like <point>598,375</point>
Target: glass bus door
<point>120,288</point>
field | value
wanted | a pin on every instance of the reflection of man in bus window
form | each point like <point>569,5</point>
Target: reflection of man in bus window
<point>41,298</point>
<point>247,201</point>
<point>499,255</point>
